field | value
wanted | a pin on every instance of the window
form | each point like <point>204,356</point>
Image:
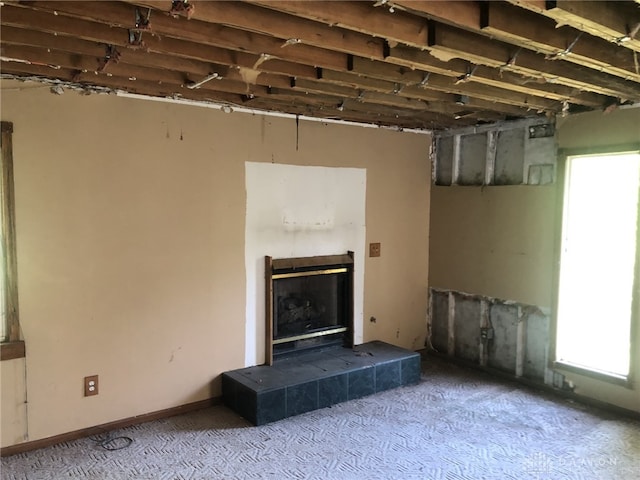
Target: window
<point>597,298</point>
<point>10,346</point>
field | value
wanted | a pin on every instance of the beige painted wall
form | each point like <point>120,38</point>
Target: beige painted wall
<point>499,241</point>
<point>130,230</point>
<point>494,241</point>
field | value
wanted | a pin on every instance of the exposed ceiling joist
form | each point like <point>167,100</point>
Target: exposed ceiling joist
<point>467,71</point>
<point>406,63</point>
<point>525,29</point>
<point>614,21</point>
<point>449,42</point>
<point>269,22</point>
<point>397,27</point>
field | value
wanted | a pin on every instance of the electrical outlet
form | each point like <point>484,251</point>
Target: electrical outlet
<point>486,333</point>
<point>90,385</point>
<point>374,249</point>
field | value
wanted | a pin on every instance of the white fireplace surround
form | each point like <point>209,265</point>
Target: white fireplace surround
<point>299,211</point>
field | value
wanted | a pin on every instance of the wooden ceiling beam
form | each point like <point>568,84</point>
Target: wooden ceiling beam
<point>85,69</point>
<point>351,17</point>
<point>449,42</point>
<point>360,16</point>
<point>71,29</point>
<point>472,13</point>
<point>611,20</point>
<point>386,71</point>
<point>57,24</point>
<point>397,101</point>
<point>421,60</point>
<point>445,84</point>
<point>413,91</point>
<point>358,113</point>
<point>353,80</point>
<point>390,60</point>
<point>322,88</point>
<point>191,68</point>
<point>277,24</point>
<point>600,56</point>
<point>538,6</point>
<point>468,15</point>
<point>319,102</point>
<point>526,29</point>
<point>464,13</point>
<point>340,104</point>
<point>356,18</point>
<point>488,93</point>
<point>162,70</point>
<point>89,80</point>
<point>33,38</point>
<point>89,65</point>
<point>490,106</point>
<point>77,17</point>
<point>18,36</point>
<point>378,85</point>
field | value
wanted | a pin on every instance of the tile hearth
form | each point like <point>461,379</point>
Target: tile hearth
<point>310,381</point>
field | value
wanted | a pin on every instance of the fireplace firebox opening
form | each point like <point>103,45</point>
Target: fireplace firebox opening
<point>309,304</point>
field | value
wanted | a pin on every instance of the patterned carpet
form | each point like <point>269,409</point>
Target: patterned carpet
<point>455,424</point>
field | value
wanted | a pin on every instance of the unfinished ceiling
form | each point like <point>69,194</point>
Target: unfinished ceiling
<point>404,63</point>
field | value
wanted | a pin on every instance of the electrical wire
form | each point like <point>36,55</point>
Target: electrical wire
<point>111,443</point>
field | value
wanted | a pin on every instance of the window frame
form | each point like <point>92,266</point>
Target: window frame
<point>11,346</point>
<point>554,363</point>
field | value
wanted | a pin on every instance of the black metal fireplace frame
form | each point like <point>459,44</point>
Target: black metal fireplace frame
<point>307,266</point>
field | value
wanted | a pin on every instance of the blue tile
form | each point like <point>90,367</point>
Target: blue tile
<point>228,391</point>
<point>246,402</point>
<point>302,398</point>
<point>270,406</point>
<point>264,394</point>
<point>333,389</point>
<point>410,370</point>
<point>361,383</point>
<point>388,376</point>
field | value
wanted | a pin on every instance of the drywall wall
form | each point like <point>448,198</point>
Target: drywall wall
<point>498,242</point>
<point>493,241</point>
<point>13,401</point>
<point>130,218</point>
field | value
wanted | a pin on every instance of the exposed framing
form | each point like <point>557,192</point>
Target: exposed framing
<point>554,363</point>
<point>474,63</point>
<point>517,152</point>
<point>12,346</point>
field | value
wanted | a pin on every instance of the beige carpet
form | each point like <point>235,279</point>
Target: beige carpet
<point>455,424</point>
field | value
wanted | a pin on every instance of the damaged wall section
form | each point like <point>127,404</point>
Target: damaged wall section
<point>504,153</point>
<point>502,335</point>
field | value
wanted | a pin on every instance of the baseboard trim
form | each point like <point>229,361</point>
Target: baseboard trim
<point>592,402</point>
<point>105,427</point>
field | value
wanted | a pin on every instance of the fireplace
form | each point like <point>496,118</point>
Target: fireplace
<point>309,304</point>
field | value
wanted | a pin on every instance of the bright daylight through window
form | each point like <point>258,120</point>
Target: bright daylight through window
<point>598,262</point>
